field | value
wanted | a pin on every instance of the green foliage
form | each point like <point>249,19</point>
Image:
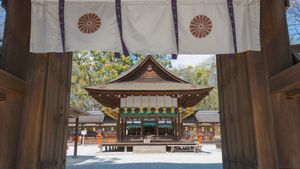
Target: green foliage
<point>164,60</point>
<point>203,75</point>
<point>91,68</point>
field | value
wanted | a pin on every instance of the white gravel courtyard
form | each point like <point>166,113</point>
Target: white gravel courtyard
<point>89,157</point>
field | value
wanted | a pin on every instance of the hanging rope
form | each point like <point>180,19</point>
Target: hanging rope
<point>175,20</point>
<point>61,14</point>
<point>232,21</point>
<point>119,20</point>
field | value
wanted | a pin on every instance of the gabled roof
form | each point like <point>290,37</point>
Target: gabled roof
<point>91,117</point>
<point>148,78</point>
<point>148,75</point>
<point>203,117</point>
<point>208,116</point>
<point>76,112</point>
<point>126,76</point>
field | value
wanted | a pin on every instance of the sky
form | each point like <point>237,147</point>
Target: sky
<point>190,60</point>
<point>2,18</point>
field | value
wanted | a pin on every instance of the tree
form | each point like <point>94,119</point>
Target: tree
<point>164,60</point>
<point>91,68</point>
<point>203,75</point>
<point>293,17</point>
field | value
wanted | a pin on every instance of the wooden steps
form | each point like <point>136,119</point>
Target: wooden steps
<point>149,149</point>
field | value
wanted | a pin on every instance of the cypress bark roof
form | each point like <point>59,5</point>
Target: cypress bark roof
<point>148,75</point>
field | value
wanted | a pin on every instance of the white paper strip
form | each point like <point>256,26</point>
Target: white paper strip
<point>204,26</point>
<point>148,101</point>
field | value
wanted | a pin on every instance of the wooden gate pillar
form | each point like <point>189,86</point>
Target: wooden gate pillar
<point>45,113</point>
<point>245,112</point>
<point>40,118</point>
<point>256,86</point>
<point>284,82</point>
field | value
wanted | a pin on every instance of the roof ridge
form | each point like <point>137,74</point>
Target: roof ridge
<point>149,57</point>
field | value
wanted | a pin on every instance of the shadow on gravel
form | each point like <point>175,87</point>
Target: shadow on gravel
<point>93,162</point>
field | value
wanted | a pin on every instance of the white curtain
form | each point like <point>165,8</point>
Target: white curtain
<point>148,27</point>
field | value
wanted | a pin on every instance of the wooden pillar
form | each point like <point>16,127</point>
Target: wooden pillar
<point>118,128</point>
<point>213,130</point>
<point>45,112</point>
<point>123,130</point>
<point>245,112</point>
<point>179,126</point>
<point>142,128</point>
<point>197,127</point>
<point>285,110</point>
<point>76,136</point>
<point>10,115</point>
<point>157,128</point>
<point>41,119</point>
<point>175,128</point>
<point>124,137</point>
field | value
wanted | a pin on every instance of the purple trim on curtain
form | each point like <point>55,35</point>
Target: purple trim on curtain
<point>61,13</point>
<point>175,20</point>
<point>174,56</point>
<point>117,55</point>
<point>232,21</point>
<point>119,20</point>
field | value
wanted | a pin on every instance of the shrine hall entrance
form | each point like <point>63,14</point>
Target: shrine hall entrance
<point>150,128</point>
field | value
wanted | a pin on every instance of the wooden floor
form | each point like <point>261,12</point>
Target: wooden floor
<point>152,147</point>
<point>147,144</point>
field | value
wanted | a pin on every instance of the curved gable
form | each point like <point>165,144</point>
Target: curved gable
<point>149,70</point>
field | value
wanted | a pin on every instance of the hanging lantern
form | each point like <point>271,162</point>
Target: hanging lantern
<point>132,109</point>
<point>141,106</point>
<point>164,110</point>
<point>156,109</point>
<point>149,109</point>
<point>141,109</point>
<point>180,109</point>
<point>108,110</point>
<point>172,109</point>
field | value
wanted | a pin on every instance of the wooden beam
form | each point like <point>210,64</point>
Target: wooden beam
<point>2,96</point>
<point>293,94</point>
<point>286,80</point>
<point>245,112</point>
<point>275,43</point>
<point>296,56</point>
<point>283,76</point>
<point>10,83</point>
<point>295,47</point>
<point>118,128</point>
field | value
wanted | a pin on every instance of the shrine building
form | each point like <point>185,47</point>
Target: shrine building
<point>148,101</point>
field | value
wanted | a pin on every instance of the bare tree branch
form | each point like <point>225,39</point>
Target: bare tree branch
<point>293,18</point>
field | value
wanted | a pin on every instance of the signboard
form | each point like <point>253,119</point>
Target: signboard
<point>83,132</point>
